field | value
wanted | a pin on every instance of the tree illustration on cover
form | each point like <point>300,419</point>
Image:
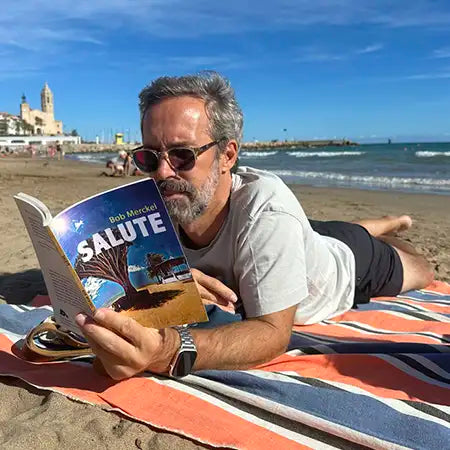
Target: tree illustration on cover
<point>153,261</point>
<point>111,264</point>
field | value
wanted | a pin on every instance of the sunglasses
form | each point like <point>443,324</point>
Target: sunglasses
<point>179,158</point>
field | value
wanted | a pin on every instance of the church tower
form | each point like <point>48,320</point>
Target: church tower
<point>47,100</point>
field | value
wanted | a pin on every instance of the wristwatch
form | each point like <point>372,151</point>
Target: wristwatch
<point>186,355</point>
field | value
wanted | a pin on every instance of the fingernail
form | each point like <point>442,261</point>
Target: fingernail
<point>80,319</point>
<point>233,298</point>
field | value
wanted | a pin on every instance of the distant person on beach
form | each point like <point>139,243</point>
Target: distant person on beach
<point>122,165</point>
<point>253,250</point>
<point>114,168</point>
<point>59,151</point>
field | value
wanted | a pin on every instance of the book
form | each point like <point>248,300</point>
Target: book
<point>116,249</point>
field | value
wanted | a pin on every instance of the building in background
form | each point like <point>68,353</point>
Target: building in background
<point>13,125</point>
<point>43,120</point>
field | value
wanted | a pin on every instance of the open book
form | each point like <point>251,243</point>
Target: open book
<point>115,249</point>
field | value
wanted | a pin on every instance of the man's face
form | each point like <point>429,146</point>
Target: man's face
<point>182,122</point>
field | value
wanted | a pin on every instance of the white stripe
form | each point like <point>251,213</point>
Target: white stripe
<point>426,313</point>
<point>436,302</point>
<point>16,307</point>
<point>367,329</point>
<point>429,365</point>
<point>398,405</point>
<point>297,415</point>
<point>410,370</point>
<point>401,315</point>
<point>404,304</point>
<point>420,309</point>
<point>195,380</point>
<point>426,291</point>
<point>14,337</point>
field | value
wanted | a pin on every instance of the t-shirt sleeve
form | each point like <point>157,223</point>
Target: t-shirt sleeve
<point>270,264</point>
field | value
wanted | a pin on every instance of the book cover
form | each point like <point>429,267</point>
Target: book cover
<point>123,247</point>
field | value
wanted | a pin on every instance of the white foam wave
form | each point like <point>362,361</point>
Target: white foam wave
<point>90,157</point>
<point>323,154</point>
<point>258,154</point>
<point>428,154</point>
<point>367,180</point>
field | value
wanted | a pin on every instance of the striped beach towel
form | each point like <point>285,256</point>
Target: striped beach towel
<point>377,377</point>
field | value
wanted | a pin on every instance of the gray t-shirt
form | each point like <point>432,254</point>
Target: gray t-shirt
<point>267,252</point>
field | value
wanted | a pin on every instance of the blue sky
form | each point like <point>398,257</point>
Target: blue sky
<point>320,69</point>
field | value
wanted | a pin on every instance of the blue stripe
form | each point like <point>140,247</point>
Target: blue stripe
<point>21,322</point>
<point>367,415</point>
<point>427,297</point>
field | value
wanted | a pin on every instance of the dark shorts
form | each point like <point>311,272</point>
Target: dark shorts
<point>379,270</point>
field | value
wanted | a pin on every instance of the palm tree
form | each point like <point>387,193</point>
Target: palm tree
<point>153,260</point>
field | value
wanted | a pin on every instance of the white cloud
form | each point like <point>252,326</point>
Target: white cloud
<point>441,53</point>
<point>49,29</point>
<point>429,76</point>
<point>369,49</point>
<point>317,54</point>
<point>310,55</point>
<point>135,268</point>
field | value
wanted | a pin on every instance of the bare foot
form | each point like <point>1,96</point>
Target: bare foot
<point>404,223</point>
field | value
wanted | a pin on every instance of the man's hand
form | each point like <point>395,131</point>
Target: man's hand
<point>125,347</point>
<point>213,291</point>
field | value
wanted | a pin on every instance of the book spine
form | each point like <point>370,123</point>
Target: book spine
<point>75,277</point>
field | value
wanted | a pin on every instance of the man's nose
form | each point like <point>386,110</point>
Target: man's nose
<point>164,170</point>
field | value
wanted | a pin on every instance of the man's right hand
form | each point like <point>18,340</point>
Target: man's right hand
<point>213,291</point>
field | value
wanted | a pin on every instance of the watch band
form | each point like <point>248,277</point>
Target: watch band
<point>184,359</point>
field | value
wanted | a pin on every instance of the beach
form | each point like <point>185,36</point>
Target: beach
<point>35,418</point>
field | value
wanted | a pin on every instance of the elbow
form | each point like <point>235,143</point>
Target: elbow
<point>280,343</point>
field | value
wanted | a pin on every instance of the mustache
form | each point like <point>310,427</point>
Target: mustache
<point>181,186</point>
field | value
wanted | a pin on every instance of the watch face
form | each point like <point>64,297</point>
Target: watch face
<point>184,363</point>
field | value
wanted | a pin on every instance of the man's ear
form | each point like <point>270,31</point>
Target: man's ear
<point>229,156</point>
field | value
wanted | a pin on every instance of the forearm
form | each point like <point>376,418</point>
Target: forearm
<point>237,346</point>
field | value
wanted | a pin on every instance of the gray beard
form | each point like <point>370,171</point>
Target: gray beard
<point>193,204</point>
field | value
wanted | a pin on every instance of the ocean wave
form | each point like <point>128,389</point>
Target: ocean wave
<point>428,154</point>
<point>367,180</point>
<point>98,158</point>
<point>324,154</point>
<point>258,154</point>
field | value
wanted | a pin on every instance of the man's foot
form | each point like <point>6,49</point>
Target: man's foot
<point>403,223</point>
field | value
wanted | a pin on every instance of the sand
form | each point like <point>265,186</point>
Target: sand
<point>33,418</point>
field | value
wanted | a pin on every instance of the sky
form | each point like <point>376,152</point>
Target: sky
<point>364,70</point>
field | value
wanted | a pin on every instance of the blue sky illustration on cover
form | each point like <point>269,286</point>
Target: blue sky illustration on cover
<point>78,227</point>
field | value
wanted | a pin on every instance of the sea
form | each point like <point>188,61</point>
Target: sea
<point>412,167</point>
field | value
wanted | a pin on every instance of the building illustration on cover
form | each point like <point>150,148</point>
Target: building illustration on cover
<point>127,255</point>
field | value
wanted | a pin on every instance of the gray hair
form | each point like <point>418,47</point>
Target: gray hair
<point>224,113</point>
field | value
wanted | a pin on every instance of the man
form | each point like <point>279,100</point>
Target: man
<point>248,231</point>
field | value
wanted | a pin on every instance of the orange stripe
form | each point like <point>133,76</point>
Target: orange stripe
<point>145,400</point>
<point>172,409</point>
<point>368,372</point>
<point>439,286</point>
<point>340,332</point>
<point>445,309</point>
<point>70,379</point>
<point>385,321</point>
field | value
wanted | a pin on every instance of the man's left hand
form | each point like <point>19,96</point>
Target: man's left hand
<point>125,347</point>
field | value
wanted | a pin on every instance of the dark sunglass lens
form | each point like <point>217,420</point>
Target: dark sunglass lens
<point>182,158</point>
<point>145,160</point>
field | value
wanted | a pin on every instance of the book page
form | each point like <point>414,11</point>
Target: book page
<point>61,281</point>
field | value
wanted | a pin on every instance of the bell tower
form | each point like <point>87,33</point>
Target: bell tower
<point>47,100</point>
